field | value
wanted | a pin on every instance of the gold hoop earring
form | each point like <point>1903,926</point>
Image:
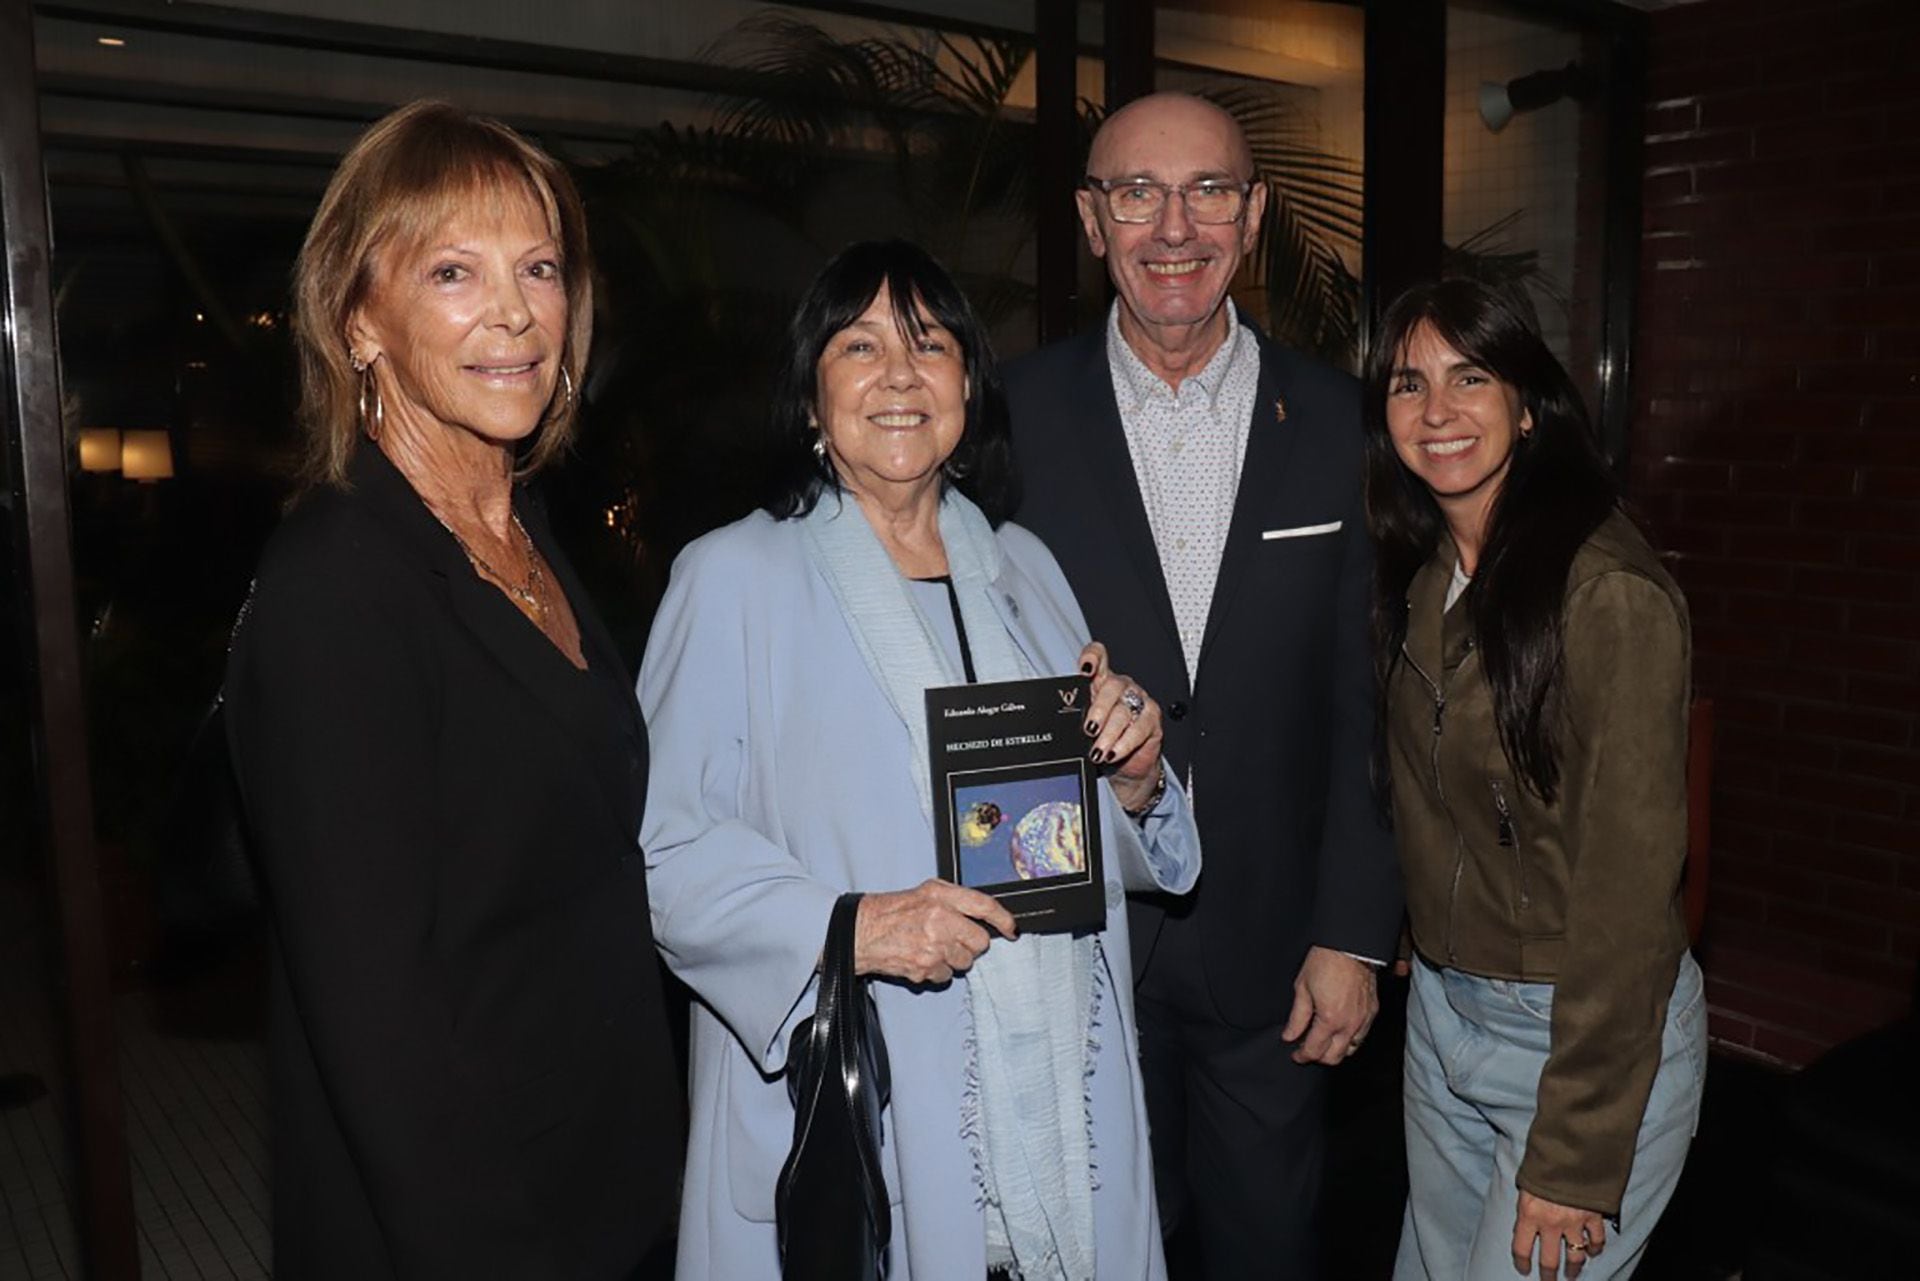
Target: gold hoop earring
<point>566,394</point>
<point>371,422</point>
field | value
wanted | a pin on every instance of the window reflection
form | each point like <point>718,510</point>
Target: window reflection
<point>1525,202</point>
<point>1293,74</point>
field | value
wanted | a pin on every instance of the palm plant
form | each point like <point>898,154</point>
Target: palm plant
<point>1490,257</point>
<point>711,232</point>
<point>934,116</point>
<point>1313,218</point>
<point>940,112</point>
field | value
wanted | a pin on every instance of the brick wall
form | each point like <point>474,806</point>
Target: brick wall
<point>1776,456</point>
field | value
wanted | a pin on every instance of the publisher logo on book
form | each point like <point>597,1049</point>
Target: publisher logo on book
<point>1069,700</point>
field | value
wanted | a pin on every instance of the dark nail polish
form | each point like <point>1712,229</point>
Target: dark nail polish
<point>1086,668</point>
<point>1093,754</point>
<point>1093,727</point>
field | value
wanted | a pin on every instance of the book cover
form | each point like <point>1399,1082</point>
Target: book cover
<point>1015,806</point>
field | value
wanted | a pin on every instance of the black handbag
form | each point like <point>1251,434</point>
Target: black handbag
<point>205,888</point>
<point>204,882</point>
<point>831,1201</point>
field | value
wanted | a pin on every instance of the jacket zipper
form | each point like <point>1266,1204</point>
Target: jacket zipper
<point>1510,839</point>
<point>1440,790</point>
<point>1439,712</point>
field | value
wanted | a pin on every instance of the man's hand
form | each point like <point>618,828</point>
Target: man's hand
<point>1334,1001</point>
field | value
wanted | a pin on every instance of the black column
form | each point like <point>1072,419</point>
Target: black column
<point>1406,103</point>
<point>1129,51</point>
<point>37,509</point>
<point>1056,165</point>
<point>1626,132</point>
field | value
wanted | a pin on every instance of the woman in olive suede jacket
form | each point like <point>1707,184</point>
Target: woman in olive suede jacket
<point>1534,656</point>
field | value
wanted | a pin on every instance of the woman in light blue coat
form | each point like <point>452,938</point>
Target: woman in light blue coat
<point>783,688</point>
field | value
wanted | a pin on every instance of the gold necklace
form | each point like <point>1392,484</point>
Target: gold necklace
<point>531,596</point>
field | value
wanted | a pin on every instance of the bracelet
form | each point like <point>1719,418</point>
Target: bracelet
<point>1152,801</point>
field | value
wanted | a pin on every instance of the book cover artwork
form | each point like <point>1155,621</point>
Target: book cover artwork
<point>1016,811</point>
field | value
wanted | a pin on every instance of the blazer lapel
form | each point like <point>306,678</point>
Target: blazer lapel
<point>1110,470</point>
<point>603,655</point>
<point>1269,444</point>
<point>519,647</point>
<point>571,696</point>
<point>1427,616</point>
<point>513,640</point>
<point>596,642</point>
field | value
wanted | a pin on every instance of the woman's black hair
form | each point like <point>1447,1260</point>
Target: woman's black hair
<point>981,465</point>
<point>1556,492</point>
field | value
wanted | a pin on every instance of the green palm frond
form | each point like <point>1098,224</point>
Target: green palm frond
<point>1314,207</point>
<point>985,71</point>
<point>1313,301</point>
<point>1489,256</point>
<point>940,112</point>
<point>1322,188</point>
<point>817,90</point>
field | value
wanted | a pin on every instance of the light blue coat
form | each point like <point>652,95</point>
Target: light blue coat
<point>780,779</point>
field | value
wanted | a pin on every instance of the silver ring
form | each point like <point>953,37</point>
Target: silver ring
<point>1134,700</point>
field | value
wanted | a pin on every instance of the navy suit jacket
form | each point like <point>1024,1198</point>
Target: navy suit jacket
<point>1277,729</point>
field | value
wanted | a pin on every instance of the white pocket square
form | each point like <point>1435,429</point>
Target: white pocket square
<point>1302,531</point>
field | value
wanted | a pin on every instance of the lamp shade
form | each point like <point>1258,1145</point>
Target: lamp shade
<point>1499,103</point>
<point>146,455</point>
<point>1495,107</point>
<point>99,449</point>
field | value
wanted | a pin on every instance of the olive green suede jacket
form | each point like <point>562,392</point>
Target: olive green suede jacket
<point>1584,892</point>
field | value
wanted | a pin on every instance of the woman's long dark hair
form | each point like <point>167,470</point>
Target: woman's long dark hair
<point>1556,492</point>
<point>981,465</point>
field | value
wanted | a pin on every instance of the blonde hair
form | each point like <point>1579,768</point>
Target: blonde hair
<point>409,175</point>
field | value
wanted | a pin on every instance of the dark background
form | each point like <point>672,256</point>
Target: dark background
<point>1723,242</point>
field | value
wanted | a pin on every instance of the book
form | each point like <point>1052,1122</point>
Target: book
<point>1015,805</point>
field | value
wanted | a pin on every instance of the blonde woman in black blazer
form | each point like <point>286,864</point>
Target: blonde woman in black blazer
<point>440,756</point>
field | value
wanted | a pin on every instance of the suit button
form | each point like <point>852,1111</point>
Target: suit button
<point>1177,709</point>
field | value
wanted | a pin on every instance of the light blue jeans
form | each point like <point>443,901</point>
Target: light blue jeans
<point>1475,1049</point>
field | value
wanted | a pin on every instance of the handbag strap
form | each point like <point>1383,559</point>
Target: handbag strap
<point>840,994</point>
<point>836,986</point>
<point>836,957</point>
<point>857,1051</point>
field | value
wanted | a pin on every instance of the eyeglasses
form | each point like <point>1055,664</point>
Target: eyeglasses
<point>1212,200</point>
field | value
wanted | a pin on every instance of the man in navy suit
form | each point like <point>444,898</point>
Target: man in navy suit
<point>1201,486</point>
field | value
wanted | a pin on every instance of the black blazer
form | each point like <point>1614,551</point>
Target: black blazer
<point>1277,735</point>
<point>470,1065</point>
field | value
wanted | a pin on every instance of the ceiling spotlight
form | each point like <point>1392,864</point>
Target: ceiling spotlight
<point>1500,103</point>
<point>111,42</point>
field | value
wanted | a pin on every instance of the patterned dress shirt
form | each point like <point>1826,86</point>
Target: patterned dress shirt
<point>1187,446</point>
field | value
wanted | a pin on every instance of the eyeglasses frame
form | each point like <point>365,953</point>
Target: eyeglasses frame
<point>1105,187</point>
